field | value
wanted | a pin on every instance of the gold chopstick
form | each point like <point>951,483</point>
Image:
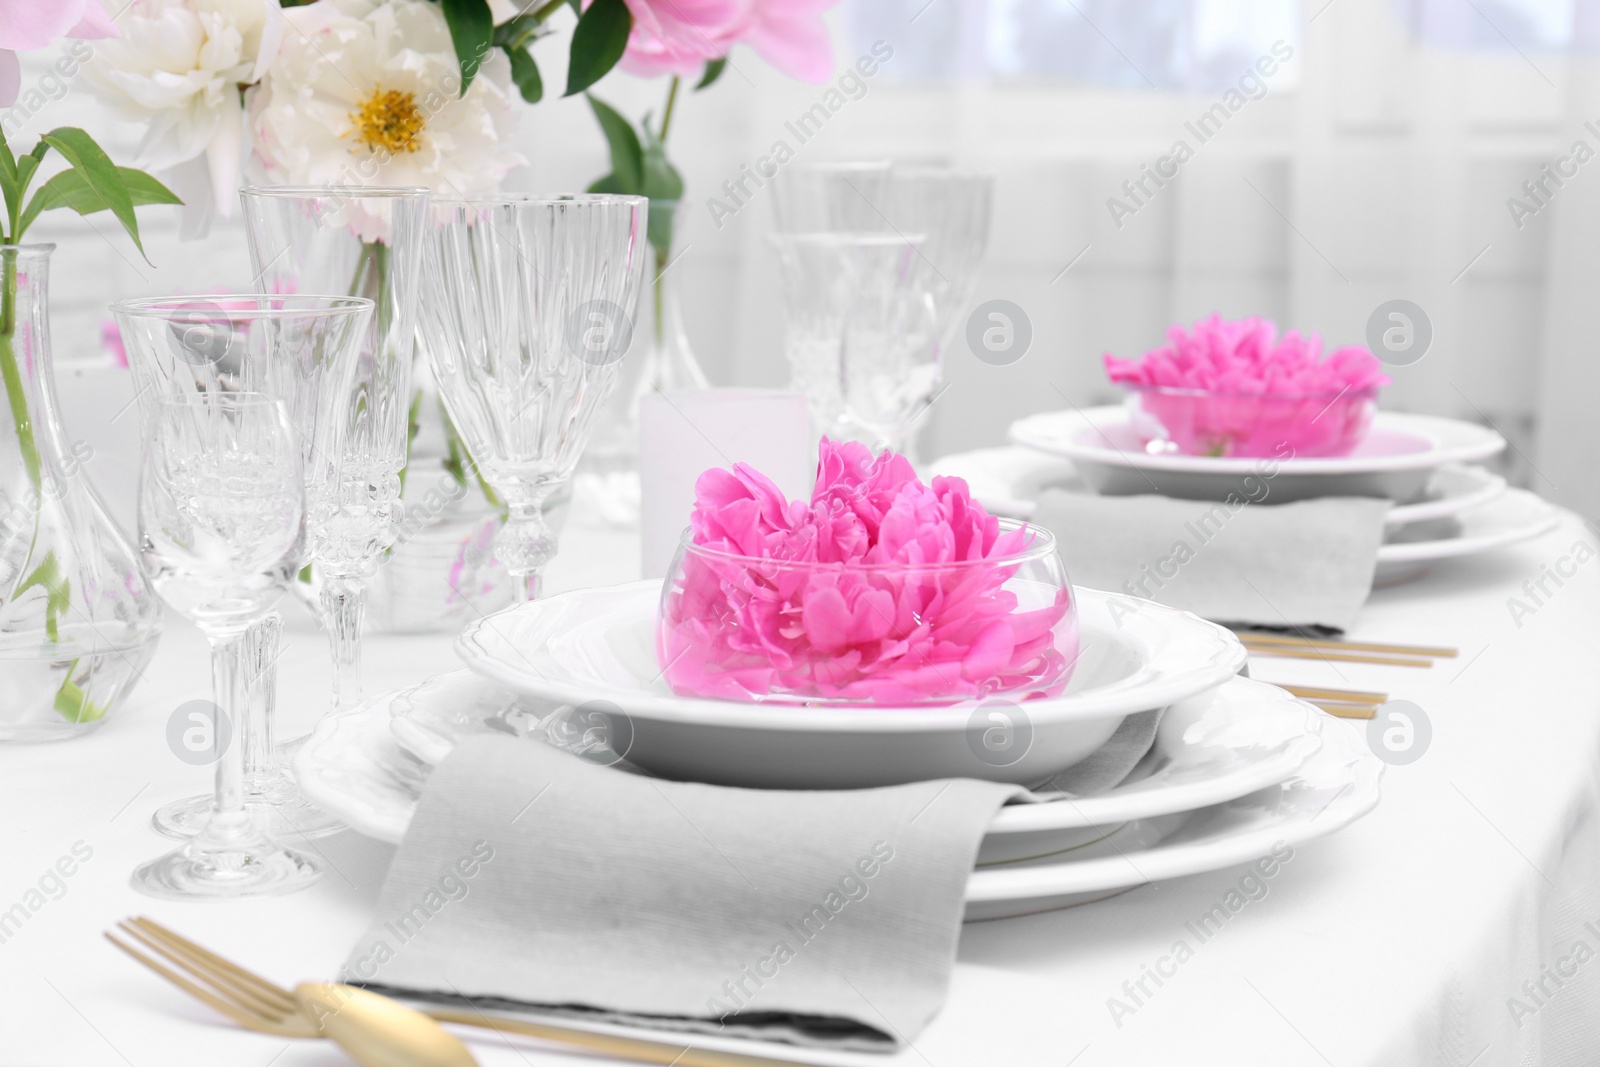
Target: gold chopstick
<point>1282,652</point>
<point>1347,711</point>
<point>1340,696</point>
<point>1286,640</point>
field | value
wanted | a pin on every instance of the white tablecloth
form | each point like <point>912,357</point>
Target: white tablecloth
<point>1404,940</point>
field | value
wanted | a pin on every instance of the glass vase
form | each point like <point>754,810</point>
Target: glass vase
<point>78,623</point>
<point>442,571</point>
<point>660,359</point>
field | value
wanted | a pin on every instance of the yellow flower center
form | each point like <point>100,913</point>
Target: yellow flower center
<point>389,119</point>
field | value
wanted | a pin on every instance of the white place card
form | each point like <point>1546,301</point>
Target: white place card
<point>684,432</point>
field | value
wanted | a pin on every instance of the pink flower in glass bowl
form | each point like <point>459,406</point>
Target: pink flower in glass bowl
<point>1237,389</point>
<point>880,590</point>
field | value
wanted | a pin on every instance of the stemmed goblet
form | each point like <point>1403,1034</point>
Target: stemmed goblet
<point>301,350</point>
<point>221,519</point>
<point>365,241</point>
<point>861,331</point>
<point>527,310</point>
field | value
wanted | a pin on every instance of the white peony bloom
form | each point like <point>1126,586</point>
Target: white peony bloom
<point>367,92</point>
<point>180,66</point>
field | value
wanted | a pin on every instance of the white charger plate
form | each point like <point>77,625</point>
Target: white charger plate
<point>596,648</point>
<point>353,767</point>
<point>1396,460</point>
<point>1009,480</point>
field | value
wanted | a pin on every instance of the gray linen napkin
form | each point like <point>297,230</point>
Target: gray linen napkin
<point>532,878</point>
<point>1308,563</point>
<point>1107,766</point>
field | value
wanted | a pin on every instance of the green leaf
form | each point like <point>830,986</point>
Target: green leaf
<point>91,161</point>
<point>525,72</point>
<point>598,41</point>
<point>627,159</point>
<point>608,184</point>
<point>660,179</point>
<point>472,33</point>
<point>69,190</point>
<point>714,71</point>
<point>10,192</point>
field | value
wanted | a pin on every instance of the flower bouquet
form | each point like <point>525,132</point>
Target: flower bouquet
<point>1237,389</point>
<point>878,590</point>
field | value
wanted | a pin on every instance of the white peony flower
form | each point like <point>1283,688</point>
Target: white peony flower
<point>180,66</point>
<point>367,92</point>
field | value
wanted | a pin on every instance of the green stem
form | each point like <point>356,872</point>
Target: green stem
<point>548,8</point>
<point>672,104</point>
<point>11,373</point>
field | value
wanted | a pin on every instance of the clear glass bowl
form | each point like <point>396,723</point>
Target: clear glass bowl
<point>754,629</point>
<point>1198,422</point>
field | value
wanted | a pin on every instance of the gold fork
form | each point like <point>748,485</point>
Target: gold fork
<point>257,1004</point>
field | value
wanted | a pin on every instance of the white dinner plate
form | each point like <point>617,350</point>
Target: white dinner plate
<point>352,767</point>
<point>1396,460</point>
<point>1330,790</point>
<point>1217,745</point>
<point>1008,481</point>
<point>596,648</point>
<point>1516,515</point>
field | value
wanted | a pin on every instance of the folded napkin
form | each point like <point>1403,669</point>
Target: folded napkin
<point>532,878</point>
<point>1105,767</point>
<point>1308,563</point>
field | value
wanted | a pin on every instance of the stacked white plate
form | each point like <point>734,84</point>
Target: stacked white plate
<point>1236,767</point>
<point>1444,505</point>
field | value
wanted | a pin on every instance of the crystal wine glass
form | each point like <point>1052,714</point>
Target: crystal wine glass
<point>301,350</point>
<point>221,519</point>
<point>364,241</point>
<point>861,333</point>
<point>527,310</point>
<point>831,197</point>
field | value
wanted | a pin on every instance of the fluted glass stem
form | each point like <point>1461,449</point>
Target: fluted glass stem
<point>229,825</point>
<point>262,642</point>
<point>344,603</point>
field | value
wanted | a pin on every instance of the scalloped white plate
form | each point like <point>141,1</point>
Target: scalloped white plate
<point>596,647</point>
<point>1395,461</point>
<point>1009,480</point>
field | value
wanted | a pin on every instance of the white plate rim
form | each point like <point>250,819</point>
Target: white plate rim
<point>1164,861</point>
<point>1007,503</point>
<point>1108,809</point>
<point>1472,442</point>
<point>1212,666</point>
<point>1543,517</point>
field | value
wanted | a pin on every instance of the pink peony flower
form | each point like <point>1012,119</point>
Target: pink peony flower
<point>682,36</point>
<point>1237,389</point>
<point>1249,358</point>
<point>880,589</point>
<point>28,25</point>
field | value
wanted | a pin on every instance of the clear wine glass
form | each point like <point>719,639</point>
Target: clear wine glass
<point>364,241</point>
<point>303,351</point>
<point>527,310</point>
<point>861,332</point>
<point>846,197</point>
<point>221,522</point>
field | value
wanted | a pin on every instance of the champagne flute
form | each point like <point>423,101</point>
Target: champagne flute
<point>221,524</point>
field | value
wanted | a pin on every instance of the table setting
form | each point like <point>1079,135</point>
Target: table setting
<point>558,706</point>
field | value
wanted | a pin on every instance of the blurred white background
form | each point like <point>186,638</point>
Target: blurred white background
<point>1376,163</point>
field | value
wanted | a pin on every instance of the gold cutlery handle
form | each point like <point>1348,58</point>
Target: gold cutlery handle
<point>637,1049</point>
